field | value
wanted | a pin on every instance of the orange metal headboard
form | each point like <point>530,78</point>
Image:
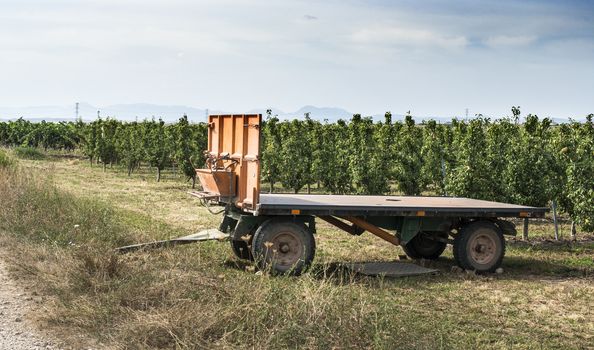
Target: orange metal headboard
<point>237,137</point>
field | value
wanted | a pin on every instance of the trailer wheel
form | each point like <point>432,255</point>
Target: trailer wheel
<point>423,247</point>
<point>241,250</point>
<point>283,247</point>
<point>479,246</point>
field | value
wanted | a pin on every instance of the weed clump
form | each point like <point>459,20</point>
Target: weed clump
<point>27,152</point>
<point>5,160</point>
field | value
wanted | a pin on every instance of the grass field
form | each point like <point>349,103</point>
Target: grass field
<point>61,218</point>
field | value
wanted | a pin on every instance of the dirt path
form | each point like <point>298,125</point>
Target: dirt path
<point>16,333</point>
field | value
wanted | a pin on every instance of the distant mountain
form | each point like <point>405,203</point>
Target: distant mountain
<point>275,111</point>
<point>321,113</point>
<point>171,113</point>
<point>45,112</point>
<point>331,114</point>
<point>89,112</point>
<point>316,113</point>
<point>147,111</point>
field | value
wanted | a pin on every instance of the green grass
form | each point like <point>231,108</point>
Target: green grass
<point>39,211</point>
<point>26,152</point>
<point>201,296</point>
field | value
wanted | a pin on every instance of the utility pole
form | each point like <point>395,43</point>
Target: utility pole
<point>77,111</point>
<point>206,114</point>
<point>98,114</point>
<point>466,113</point>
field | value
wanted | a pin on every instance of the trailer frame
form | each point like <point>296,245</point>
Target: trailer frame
<point>422,225</point>
<point>277,230</point>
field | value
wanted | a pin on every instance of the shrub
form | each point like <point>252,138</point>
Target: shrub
<point>26,152</point>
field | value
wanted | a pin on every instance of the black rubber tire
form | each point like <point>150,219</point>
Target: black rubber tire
<point>463,246</point>
<point>420,247</point>
<point>242,250</point>
<point>266,251</point>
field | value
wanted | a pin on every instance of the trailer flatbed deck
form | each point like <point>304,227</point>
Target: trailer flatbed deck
<point>340,205</point>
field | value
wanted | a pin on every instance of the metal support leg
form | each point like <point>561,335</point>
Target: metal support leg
<point>554,205</point>
<point>381,233</point>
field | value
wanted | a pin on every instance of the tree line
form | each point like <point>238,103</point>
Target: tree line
<point>530,163</point>
<point>110,141</point>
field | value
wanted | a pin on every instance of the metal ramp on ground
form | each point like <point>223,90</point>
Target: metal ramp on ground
<point>390,269</point>
<point>206,235</point>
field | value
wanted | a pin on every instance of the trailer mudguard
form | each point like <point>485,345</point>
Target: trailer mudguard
<point>245,225</point>
<point>506,227</point>
<point>409,227</point>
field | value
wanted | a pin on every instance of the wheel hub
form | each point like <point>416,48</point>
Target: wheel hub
<point>483,248</point>
<point>286,248</point>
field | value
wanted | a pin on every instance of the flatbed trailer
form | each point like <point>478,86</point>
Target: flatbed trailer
<point>316,204</point>
<point>277,231</point>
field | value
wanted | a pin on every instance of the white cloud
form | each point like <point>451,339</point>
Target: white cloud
<point>395,36</point>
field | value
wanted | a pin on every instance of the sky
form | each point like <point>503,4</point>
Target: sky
<point>433,58</point>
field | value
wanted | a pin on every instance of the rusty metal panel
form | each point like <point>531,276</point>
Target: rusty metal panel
<point>237,147</point>
<point>221,183</point>
<point>213,136</point>
<point>234,140</point>
<point>252,160</point>
<point>227,131</point>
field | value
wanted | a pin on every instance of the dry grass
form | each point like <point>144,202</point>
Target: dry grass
<point>5,160</point>
<point>200,296</point>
